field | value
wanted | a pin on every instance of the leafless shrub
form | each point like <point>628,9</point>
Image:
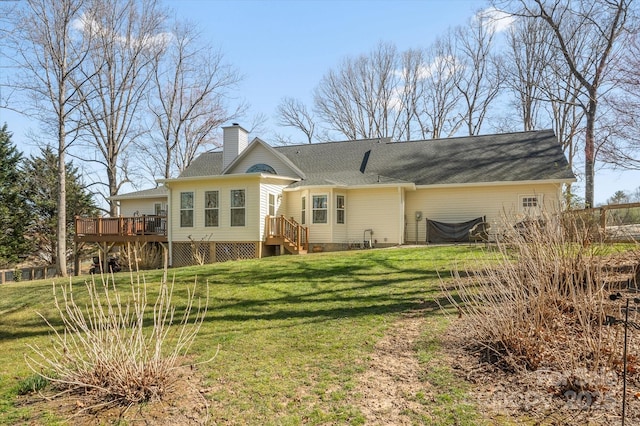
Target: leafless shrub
<point>542,301</point>
<point>117,345</point>
<point>200,249</point>
<point>140,256</point>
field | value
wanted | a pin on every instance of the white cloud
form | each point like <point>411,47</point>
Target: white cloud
<point>495,20</point>
<point>86,24</point>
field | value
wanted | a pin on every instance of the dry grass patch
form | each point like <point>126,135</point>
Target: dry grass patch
<point>117,346</point>
<point>543,307</point>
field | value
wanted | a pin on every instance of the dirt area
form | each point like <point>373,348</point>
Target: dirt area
<point>184,404</point>
<point>389,384</point>
<point>541,397</point>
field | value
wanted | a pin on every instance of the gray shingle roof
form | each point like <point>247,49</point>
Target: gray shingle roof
<point>509,157</point>
<point>158,192</point>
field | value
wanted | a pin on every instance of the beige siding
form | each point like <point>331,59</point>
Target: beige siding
<point>320,232</point>
<point>292,205</point>
<point>141,206</point>
<point>462,204</point>
<point>260,155</point>
<point>223,232</point>
<point>269,187</point>
<point>376,209</point>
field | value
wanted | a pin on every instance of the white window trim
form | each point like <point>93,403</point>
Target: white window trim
<point>231,208</point>
<point>303,209</point>
<point>532,210</point>
<point>343,209</point>
<point>326,209</point>
<point>206,208</point>
<point>192,209</point>
<point>275,204</point>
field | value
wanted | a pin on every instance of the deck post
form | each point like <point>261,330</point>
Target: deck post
<point>76,260</point>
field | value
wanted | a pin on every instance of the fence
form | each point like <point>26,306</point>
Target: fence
<point>617,222</point>
<point>27,274</point>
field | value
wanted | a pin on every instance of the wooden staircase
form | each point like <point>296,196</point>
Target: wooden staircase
<point>287,233</point>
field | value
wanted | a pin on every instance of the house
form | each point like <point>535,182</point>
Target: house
<point>252,199</point>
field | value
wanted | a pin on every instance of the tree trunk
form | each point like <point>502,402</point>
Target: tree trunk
<point>113,190</point>
<point>61,252</point>
<point>589,152</point>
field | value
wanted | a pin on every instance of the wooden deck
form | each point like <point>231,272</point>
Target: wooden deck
<point>287,233</point>
<point>121,229</point>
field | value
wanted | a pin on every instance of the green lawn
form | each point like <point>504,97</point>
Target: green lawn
<point>293,332</point>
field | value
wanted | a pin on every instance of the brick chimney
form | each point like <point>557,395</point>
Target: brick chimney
<point>235,139</point>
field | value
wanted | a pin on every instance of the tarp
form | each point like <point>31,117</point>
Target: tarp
<point>440,232</point>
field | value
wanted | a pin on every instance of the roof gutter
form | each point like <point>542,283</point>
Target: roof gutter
<point>248,176</point>
<point>408,185</point>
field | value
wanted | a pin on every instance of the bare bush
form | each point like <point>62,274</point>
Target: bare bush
<point>140,256</point>
<point>118,345</point>
<point>542,301</point>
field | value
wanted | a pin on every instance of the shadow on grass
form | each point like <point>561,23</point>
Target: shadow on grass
<point>310,289</point>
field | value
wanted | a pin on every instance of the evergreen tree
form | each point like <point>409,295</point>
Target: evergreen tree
<point>41,176</point>
<point>13,208</point>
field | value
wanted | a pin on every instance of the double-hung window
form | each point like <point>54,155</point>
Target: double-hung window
<point>237,207</point>
<point>340,209</point>
<point>319,209</point>
<point>186,209</point>
<point>272,205</point>
<point>303,211</point>
<point>211,208</point>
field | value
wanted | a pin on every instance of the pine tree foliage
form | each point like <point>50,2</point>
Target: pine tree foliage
<point>41,175</point>
<point>13,208</point>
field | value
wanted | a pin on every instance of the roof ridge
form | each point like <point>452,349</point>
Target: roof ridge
<point>477,136</point>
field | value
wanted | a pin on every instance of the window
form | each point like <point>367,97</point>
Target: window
<point>319,209</point>
<point>186,209</point>
<point>157,209</point>
<point>339,208</point>
<point>211,208</point>
<point>531,204</point>
<point>237,207</point>
<point>272,205</point>
<point>260,168</point>
<point>528,202</point>
<point>303,211</point>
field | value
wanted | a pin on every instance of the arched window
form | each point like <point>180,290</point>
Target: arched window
<point>261,167</point>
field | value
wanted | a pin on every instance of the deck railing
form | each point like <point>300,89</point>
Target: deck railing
<point>121,226</point>
<point>290,230</point>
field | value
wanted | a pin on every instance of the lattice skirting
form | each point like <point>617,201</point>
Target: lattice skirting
<point>201,253</point>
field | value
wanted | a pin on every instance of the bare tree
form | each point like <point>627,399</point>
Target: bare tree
<point>358,99</point>
<point>292,112</point>
<point>191,82</point>
<point>545,92</point>
<point>597,26</point>
<point>624,151</point>
<point>440,97</point>
<point>127,37</point>
<point>48,55</point>
<point>527,55</point>
<point>409,92</point>
<point>482,77</point>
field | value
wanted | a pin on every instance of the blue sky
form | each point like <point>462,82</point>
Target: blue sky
<point>283,48</point>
